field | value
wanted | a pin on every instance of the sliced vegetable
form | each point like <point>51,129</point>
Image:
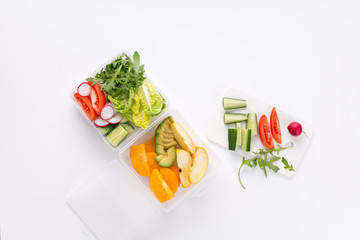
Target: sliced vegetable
<point>116,136</point>
<point>97,98</point>
<point>107,112</point>
<point>265,133</point>
<point>115,119</point>
<point>232,103</point>
<point>245,140</point>
<point>85,104</point>
<point>275,125</point>
<point>127,127</point>
<point>105,130</point>
<point>232,136</point>
<point>84,89</point>
<point>238,137</point>
<point>234,117</point>
<point>99,122</point>
<point>252,124</point>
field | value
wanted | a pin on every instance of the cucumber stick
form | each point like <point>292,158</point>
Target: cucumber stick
<point>234,117</point>
<point>232,103</point>
<point>238,137</point>
<point>252,123</point>
<point>245,140</point>
<point>232,136</point>
<point>105,130</point>
<point>116,136</point>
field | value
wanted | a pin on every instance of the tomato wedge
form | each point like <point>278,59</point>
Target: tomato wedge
<point>265,133</point>
<point>275,125</point>
<point>85,104</point>
<point>97,98</point>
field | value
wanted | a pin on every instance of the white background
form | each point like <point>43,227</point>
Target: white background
<point>301,56</point>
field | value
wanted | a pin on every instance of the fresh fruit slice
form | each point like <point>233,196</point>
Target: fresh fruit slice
<point>99,122</point>
<point>116,136</point>
<point>84,89</point>
<point>170,178</point>
<point>115,119</point>
<point>150,145</point>
<point>97,98</point>
<point>164,138</point>
<point>107,112</point>
<point>139,159</point>
<point>183,138</point>
<point>85,104</point>
<point>176,171</point>
<point>232,103</point>
<point>160,187</point>
<point>151,160</point>
<point>184,162</point>
<point>127,127</point>
<point>199,165</point>
<point>107,129</point>
<point>265,133</point>
<point>275,125</point>
<point>167,160</point>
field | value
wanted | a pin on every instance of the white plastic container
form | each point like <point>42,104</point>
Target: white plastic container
<point>115,202</point>
<point>137,130</point>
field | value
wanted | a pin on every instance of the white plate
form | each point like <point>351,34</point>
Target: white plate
<point>218,133</point>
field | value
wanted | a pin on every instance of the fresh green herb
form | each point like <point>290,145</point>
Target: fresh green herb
<point>286,165</point>
<point>263,162</point>
<point>248,163</point>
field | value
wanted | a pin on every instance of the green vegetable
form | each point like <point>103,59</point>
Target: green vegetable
<point>263,162</point>
<point>286,165</point>
<point>129,90</point>
<point>232,136</point>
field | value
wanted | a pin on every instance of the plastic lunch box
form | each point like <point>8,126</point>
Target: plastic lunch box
<point>108,195</point>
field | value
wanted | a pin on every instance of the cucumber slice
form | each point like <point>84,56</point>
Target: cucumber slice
<point>238,137</point>
<point>232,103</point>
<point>245,140</point>
<point>234,117</point>
<point>252,123</point>
<point>232,138</point>
<point>116,136</point>
<point>105,130</point>
<point>127,127</point>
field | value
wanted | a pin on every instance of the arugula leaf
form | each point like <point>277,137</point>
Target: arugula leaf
<point>248,163</point>
<point>286,165</point>
<point>262,161</point>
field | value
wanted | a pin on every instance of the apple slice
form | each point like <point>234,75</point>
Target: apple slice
<point>199,166</point>
<point>184,162</point>
<point>183,138</point>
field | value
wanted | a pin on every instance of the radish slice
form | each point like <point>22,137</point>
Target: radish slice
<point>109,104</point>
<point>84,89</point>
<point>107,112</point>
<point>115,119</point>
<point>99,122</point>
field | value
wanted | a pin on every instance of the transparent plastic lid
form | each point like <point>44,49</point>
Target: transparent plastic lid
<point>118,200</point>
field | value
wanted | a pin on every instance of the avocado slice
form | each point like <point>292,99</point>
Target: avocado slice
<point>167,161</point>
<point>164,138</point>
